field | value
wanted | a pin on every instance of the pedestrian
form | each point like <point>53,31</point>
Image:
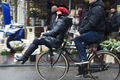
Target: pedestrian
<point>81,10</point>
<point>53,17</point>
<point>115,21</point>
<point>52,38</point>
<point>92,31</point>
<point>109,16</point>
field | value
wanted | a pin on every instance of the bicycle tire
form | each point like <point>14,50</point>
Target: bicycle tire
<point>110,60</point>
<point>55,72</point>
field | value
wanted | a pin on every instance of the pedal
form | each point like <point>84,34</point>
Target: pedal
<point>95,77</point>
<point>86,75</point>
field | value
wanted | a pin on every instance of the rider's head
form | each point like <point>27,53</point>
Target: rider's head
<point>62,10</point>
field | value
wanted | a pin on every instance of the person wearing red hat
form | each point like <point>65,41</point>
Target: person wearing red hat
<point>63,10</point>
<point>52,38</point>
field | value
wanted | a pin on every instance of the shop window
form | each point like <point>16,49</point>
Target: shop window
<point>40,8</point>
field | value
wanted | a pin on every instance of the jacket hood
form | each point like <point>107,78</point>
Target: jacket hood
<point>67,19</point>
<point>98,2</point>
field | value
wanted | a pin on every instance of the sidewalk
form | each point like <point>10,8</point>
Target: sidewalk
<point>10,61</point>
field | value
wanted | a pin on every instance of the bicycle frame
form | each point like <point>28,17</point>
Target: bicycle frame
<point>93,52</point>
<point>92,55</point>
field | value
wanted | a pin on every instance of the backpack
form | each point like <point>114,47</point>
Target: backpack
<point>109,28</point>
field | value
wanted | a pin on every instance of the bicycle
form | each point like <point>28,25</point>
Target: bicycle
<point>100,63</point>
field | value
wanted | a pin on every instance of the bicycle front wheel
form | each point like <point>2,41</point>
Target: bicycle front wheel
<point>49,69</point>
<point>104,66</point>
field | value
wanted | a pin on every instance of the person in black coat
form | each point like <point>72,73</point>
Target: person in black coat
<point>81,10</point>
<point>91,30</point>
<point>115,21</point>
<point>53,17</point>
<point>52,38</point>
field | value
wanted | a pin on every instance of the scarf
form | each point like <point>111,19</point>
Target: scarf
<point>81,15</point>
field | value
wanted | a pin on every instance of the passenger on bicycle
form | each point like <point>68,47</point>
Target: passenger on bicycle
<point>91,30</point>
<point>52,38</point>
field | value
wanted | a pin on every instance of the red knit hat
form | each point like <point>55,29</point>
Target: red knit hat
<point>63,10</point>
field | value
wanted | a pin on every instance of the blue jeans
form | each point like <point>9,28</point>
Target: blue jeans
<point>87,38</point>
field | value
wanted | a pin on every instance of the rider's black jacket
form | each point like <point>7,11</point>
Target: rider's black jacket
<point>96,19</point>
<point>55,37</point>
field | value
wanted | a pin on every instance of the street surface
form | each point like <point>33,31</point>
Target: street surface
<point>29,73</point>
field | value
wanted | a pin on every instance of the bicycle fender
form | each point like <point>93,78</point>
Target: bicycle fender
<point>110,52</point>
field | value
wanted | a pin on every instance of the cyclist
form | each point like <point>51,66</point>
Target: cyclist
<point>91,30</point>
<point>52,38</point>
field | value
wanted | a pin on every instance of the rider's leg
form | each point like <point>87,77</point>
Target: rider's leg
<point>33,46</point>
<point>89,37</point>
<point>80,70</point>
<point>85,70</point>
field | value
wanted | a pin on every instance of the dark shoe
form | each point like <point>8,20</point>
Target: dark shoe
<point>22,58</point>
<point>79,75</point>
<point>27,53</point>
<point>18,56</point>
<point>84,61</point>
<point>86,75</point>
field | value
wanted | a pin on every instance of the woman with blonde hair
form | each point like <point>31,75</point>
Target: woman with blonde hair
<point>53,17</point>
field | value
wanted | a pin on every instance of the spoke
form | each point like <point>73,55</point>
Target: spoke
<point>110,62</point>
<point>56,70</point>
<point>44,69</point>
<point>47,69</point>
<point>59,71</point>
<point>42,61</point>
<point>60,66</point>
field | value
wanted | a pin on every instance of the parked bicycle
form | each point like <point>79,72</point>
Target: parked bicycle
<point>100,63</point>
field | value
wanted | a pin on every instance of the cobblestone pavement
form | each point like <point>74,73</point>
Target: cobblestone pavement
<point>29,73</point>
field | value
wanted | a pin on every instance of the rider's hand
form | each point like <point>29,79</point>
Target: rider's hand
<point>41,34</point>
<point>77,33</point>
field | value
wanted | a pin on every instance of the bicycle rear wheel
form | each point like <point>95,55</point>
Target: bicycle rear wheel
<point>111,71</point>
<point>48,69</point>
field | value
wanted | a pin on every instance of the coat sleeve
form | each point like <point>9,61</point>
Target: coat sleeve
<point>118,21</point>
<point>95,15</point>
<point>52,21</point>
<point>50,26</point>
<point>59,26</point>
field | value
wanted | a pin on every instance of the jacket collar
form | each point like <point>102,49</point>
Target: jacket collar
<point>114,12</point>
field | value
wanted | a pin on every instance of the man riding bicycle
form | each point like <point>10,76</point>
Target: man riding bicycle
<point>91,30</point>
